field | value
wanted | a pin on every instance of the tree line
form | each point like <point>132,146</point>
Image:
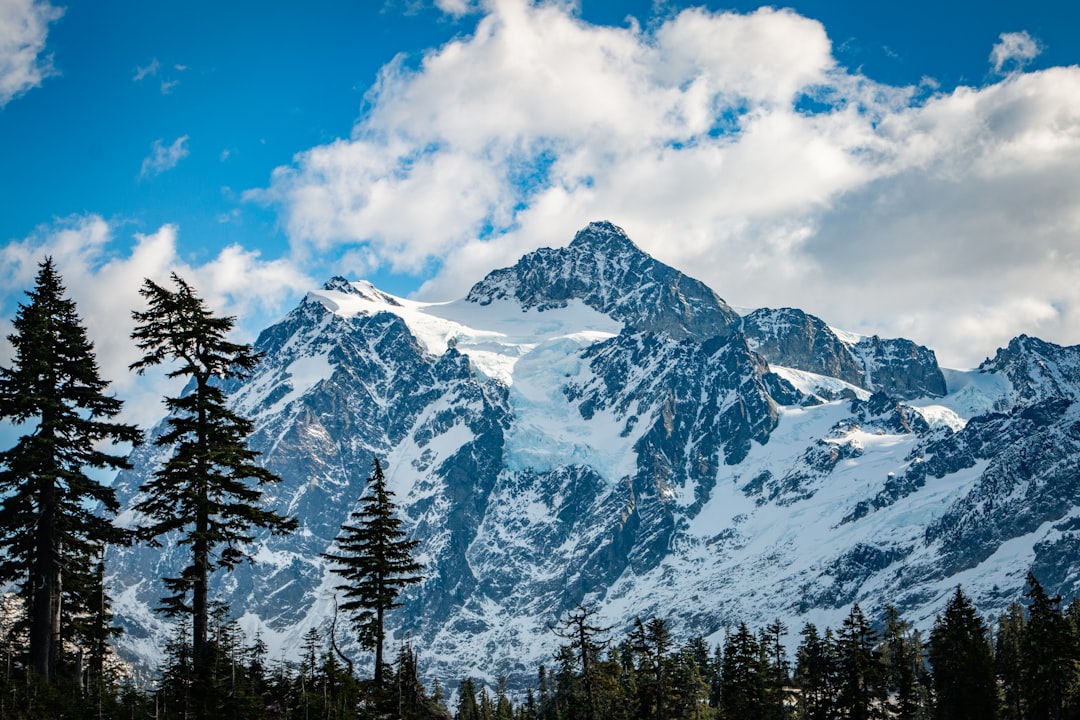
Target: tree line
<point>58,630</point>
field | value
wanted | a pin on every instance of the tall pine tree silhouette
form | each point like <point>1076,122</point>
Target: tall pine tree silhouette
<point>374,557</point>
<point>209,491</point>
<point>52,532</point>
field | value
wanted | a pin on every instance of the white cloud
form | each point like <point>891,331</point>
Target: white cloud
<point>24,28</point>
<point>952,219</point>
<point>457,8</point>
<point>164,157</point>
<point>148,70</point>
<point>1016,49</point>
<point>104,282</point>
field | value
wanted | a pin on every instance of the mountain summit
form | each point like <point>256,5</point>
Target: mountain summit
<point>591,426</point>
<point>604,269</point>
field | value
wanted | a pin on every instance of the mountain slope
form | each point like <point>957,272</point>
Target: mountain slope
<point>591,426</point>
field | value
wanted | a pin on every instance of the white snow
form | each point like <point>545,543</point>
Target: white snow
<point>494,336</point>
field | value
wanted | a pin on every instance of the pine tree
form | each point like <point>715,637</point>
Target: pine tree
<point>779,670</point>
<point>208,492</point>
<point>1050,658</point>
<point>51,529</point>
<point>1008,659</point>
<point>861,682</point>
<point>815,674</point>
<point>743,679</point>
<point>963,665</point>
<point>467,708</point>
<point>582,635</point>
<point>905,669</point>
<point>375,558</point>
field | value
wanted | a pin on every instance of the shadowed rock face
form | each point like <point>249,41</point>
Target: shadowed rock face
<point>663,470</point>
<point>791,338</point>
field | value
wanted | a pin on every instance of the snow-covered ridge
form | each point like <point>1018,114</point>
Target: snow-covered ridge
<point>494,336</point>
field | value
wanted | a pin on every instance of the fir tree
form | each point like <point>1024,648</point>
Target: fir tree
<point>861,683</point>
<point>779,671</point>
<point>815,674</point>
<point>963,664</point>
<point>52,533</point>
<point>1049,661</point>
<point>375,558</point>
<point>1009,657</point>
<point>582,635</point>
<point>208,492</point>
<point>905,669</point>
<point>743,681</point>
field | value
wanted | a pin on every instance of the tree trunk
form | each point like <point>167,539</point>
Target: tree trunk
<point>45,600</point>
<point>379,647</point>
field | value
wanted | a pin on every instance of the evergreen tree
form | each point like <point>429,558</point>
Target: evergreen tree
<point>582,635</point>
<point>51,530</point>
<point>778,670</point>
<point>965,687</point>
<point>815,674</point>
<point>1050,657</point>
<point>208,492</point>
<point>1008,659</point>
<point>905,669</point>
<point>375,558</point>
<point>861,688</point>
<point>743,679</point>
<point>467,707</point>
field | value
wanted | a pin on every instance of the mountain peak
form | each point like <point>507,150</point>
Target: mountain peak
<point>605,270</point>
<point>361,289</point>
<point>604,237</point>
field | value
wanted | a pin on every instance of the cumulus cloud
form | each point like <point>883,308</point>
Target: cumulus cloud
<point>1015,49</point>
<point>733,146</point>
<point>164,157</point>
<point>85,248</point>
<point>24,64</point>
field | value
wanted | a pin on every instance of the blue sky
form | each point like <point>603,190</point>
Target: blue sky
<point>895,168</point>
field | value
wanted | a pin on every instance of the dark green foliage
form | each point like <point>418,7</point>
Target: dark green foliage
<point>1009,658</point>
<point>208,492</point>
<point>1050,656</point>
<point>743,678</point>
<point>816,674</point>
<point>962,660</point>
<point>54,516</point>
<point>585,645</point>
<point>906,676</point>
<point>777,670</point>
<point>375,559</point>
<point>861,683</point>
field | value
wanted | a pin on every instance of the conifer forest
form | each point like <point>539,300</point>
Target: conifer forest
<point>57,521</point>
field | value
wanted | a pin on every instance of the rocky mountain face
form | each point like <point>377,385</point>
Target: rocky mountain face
<point>591,426</point>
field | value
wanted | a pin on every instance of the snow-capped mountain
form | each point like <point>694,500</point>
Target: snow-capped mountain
<point>591,426</point>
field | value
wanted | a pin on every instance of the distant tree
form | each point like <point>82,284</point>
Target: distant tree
<point>743,677</point>
<point>209,490</point>
<point>467,707</point>
<point>583,635</point>
<point>962,664</point>
<point>1050,657</point>
<point>777,668</point>
<point>816,674</point>
<point>1009,658</point>
<point>906,676</point>
<point>652,644</point>
<point>861,684</point>
<point>52,532</point>
<point>374,557</point>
